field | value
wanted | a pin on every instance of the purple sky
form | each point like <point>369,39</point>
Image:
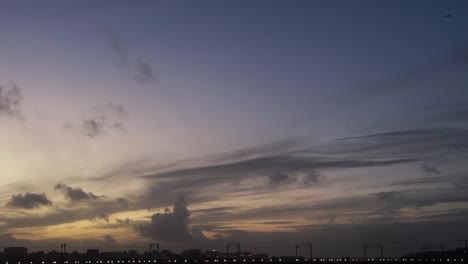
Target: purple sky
<point>262,122</point>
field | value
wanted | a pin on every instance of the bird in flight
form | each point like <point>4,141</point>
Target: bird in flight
<point>448,16</point>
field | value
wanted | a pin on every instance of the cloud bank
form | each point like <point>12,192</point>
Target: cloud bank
<point>29,200</point>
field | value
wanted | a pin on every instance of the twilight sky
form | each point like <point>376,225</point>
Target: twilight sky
<point>201,123</point>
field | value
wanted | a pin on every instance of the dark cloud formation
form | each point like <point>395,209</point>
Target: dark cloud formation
<point>384,196</point>
<point>75,194</point>
<point>109,240</point>
<point>275,223</point>
<point>299,177</point>
<point>430,170</point>
<point>125,221</point>
<point>84,206</point>
<point>102,119</point>
<point>102,216</point>
<point>421,144</point>
<point>169,226</point>
<point>275,171</point>
<point>93,127</point>
<point>29,200</point>
<point>270,149</point>
<point>265,165</point>
<point>11,101</point>
<point>141,70</point>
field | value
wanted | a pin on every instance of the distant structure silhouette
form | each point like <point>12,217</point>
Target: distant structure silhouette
<point>151,251</point>
<point>237,245</point>
<point>63,248</point>
<point>308,245</point>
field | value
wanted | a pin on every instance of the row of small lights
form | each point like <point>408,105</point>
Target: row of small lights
<point>271,260</point>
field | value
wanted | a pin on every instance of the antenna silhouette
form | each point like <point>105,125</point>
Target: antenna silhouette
<point>151,250</point>
<point>63,248</point>
<point>309,245</point>
<point>233,244</point>
<point>373,245</point>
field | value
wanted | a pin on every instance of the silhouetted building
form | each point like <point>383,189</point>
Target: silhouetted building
<point>92,252</point>
<point>191,254</point>
<point>15,253</point>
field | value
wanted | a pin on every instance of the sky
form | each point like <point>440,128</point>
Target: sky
<point>266,123</point>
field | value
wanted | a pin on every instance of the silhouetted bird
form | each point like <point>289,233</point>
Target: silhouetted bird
<point>448,16</point>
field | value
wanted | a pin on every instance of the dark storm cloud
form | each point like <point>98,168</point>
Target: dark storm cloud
<point>141,70</point>
<point>169,226</point>
<point>103,118</point>
<point>11,101</point>
<point>75,194</point>
<point>29,200</point>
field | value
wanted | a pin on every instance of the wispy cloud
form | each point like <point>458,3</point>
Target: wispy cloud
<point>384,196</point>
<point>430,170</point>
<point>144,73</point>
<point>141,71</point>
<point>11,101</point>
<point>103,118</point>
